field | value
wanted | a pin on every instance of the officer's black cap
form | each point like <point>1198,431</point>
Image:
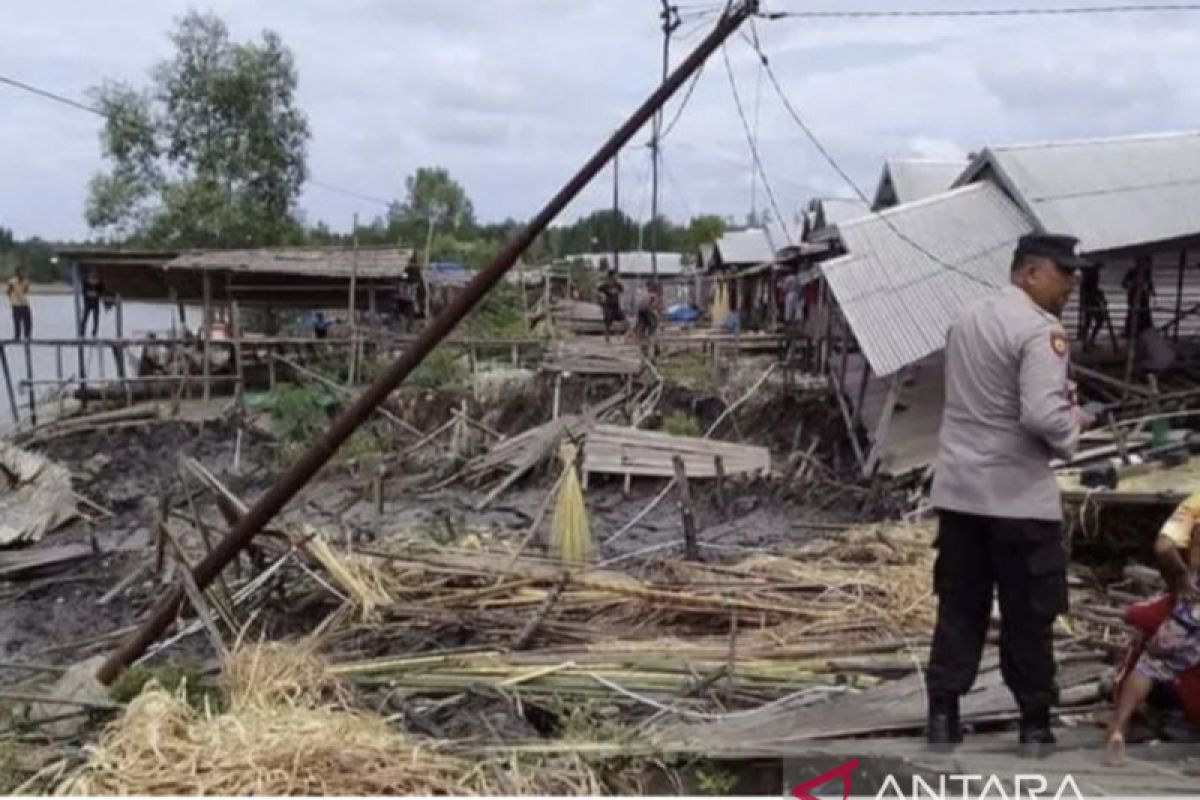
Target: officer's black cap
<point>1056,246</point>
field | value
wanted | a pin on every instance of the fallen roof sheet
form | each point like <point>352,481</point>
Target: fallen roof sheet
<point>1110,193</point>
<point>897,299</point>
<point>325,262</point>
<point>35,496</point>
<point>907,180</point>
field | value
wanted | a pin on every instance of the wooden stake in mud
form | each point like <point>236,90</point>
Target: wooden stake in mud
<point>690,550</point>
<point>324,447</point>
<point>8,385</point>
<point>719,468</point>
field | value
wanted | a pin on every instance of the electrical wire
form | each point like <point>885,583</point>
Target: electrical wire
<point>762,173</point>
<point>682,105</point>
<point>842,173</point>
<point>1137,8</point>
<point>58,98</point>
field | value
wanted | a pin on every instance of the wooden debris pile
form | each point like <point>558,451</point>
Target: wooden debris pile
<point>758,629</point>
<point>613,450</point>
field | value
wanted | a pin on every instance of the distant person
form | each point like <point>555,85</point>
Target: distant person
<point>647,316</point>
<point>1094,304</point>
<point>93,291</point>
<point>18,298</point>
<point>610,302</point>
<point>320,325</point>
<point>1139,294</point>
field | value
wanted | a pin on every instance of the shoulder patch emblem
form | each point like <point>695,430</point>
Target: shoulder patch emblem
<point>1059,343</point>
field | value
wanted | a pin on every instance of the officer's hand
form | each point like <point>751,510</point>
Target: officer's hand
<point>1082,418</point>
<point>1188,593</point>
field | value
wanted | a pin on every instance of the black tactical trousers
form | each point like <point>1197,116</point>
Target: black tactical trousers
<point>1027,560</point>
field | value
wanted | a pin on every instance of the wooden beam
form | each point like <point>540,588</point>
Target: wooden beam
<point>686,513</point>
<point>883,428</point>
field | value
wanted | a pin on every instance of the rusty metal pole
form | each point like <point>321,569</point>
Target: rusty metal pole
<point>348,421</point>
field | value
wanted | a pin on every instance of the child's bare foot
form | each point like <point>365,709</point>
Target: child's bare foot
<point>1114,749</point>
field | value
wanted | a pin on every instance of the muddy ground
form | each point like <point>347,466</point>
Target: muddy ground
<point>57,619</point>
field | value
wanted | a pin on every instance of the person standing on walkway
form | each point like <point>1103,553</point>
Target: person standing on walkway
<point>93,292</point>
<point>18,298</point>
<point>1009,410</point>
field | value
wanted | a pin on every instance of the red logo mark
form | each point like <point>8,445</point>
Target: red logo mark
<point>844,771</point>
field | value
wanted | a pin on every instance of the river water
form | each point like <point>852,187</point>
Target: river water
<point>54,318</point>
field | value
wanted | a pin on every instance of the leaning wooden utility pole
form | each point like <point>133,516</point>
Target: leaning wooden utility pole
<point>670,21</point>
<point>321,450</point>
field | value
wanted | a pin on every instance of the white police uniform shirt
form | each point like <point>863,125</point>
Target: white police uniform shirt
<point>1008,411</point>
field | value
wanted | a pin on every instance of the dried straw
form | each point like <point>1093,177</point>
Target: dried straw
<point>360,577</point>
<point>287,731</point>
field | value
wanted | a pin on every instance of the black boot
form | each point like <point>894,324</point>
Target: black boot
<point>943,728</point>
<point>1036,738</point>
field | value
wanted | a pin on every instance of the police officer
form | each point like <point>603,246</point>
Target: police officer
<point>1009,409</point>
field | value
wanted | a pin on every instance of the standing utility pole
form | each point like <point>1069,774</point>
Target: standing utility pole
<point>340,429</point>
<point>615,229</point>
<point>670,21</point>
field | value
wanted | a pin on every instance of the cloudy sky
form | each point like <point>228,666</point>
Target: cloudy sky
<point>512,95</point>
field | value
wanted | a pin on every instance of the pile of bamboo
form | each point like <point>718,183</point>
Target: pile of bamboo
<point>848,614</point>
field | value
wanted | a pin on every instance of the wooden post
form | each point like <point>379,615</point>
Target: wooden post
<point>8,385</point>
<point>380,474</point>
<point>690,549</point>
<point>719,467</point>
<point>353,322</point>
<point>29,377</point>
<point>239,366</point>
<point>77,280</point>
<point>557,394</point>
<point>883,429</point>
<point>119,351</point>
<point>1179,292</point>
<point>206,333</point>
<point>863,380</point>
<point>271,367</point>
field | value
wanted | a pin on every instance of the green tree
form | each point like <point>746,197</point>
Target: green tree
<point>434,201</point>
<point>213,153</point>
<point>703,229</point>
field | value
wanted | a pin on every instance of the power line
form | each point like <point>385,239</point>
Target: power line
<point>350,193</point>
<point>58,98</point>
<point>737,99</point>
<point>682,105</point>
<point>980,12</point>
<point>845,176</point>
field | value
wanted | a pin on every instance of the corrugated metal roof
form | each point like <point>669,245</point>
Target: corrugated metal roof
<point>826,213</point>
<point>325,262</point>
<point>907,180</point>
<point>1111,193</point>
<point>636,262</point>
<point>900,302</point>
<point>747,247</point>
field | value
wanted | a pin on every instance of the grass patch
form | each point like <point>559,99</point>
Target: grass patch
<point>440,369</point>
<point>688,369</point>
<point>680,423</point>
<point>171,677</point>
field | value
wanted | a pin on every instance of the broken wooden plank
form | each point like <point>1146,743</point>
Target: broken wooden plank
<point>19,563</point>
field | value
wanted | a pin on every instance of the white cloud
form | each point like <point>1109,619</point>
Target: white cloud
<point>512,95</point>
